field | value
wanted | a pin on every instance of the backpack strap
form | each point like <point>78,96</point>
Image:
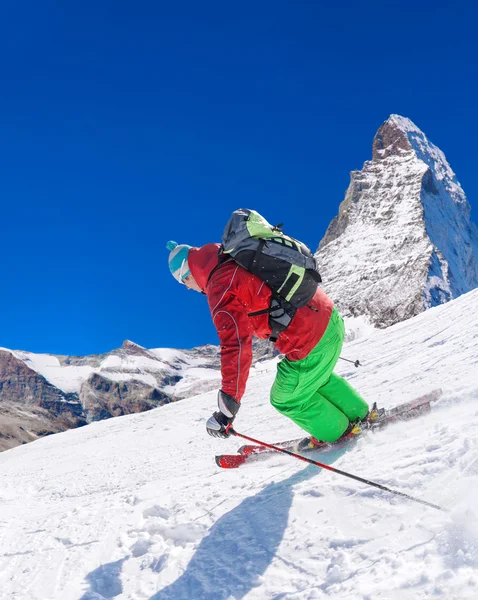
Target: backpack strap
<point>280,314</point>
<point>222,259</point>
<point>254,259</point>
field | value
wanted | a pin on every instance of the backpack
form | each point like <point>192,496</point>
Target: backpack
<point>286,265</point>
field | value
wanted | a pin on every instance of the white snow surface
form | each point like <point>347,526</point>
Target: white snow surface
<point>136,508</point>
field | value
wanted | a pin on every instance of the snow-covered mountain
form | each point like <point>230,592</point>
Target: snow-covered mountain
<point>403,240</point>
<point>42,394</point>
<point>134,508</point>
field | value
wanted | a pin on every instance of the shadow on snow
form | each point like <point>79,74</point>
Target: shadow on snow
<point>241,545</point>
<point>105,582</point>
<point>232,558</point>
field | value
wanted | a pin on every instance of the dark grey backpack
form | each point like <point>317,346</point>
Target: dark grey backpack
<point>285,264</point>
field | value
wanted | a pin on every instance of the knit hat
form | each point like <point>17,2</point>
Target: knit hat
<point>178,260</point>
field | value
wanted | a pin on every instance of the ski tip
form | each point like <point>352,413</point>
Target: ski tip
<point>230,461</point>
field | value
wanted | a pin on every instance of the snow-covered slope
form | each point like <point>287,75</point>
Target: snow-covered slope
<point>403,240</point>
<point>135,507</point>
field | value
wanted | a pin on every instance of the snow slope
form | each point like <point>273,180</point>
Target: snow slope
<point>135,507</point>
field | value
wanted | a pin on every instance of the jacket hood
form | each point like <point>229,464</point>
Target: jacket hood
<point>202,261</point>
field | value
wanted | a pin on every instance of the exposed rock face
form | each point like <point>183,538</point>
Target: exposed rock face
<point>403,240</point>
<point>43,394</point>
<point>19,425</point>
<point>30,406</point>
<point>20,384</point>
<point>103,398</point>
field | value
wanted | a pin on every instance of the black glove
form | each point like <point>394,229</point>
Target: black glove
<point>219,424</point>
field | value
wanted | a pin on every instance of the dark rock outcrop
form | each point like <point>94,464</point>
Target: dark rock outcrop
<point>103,398</point>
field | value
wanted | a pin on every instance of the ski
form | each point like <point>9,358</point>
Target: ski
<point>405,411</point>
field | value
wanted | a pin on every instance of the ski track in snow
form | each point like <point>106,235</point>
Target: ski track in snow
<point>135,507</point>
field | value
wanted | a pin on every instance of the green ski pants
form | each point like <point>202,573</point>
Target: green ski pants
<point>312,395</point>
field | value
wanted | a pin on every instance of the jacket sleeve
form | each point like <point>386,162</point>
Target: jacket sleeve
<point>233,327</point>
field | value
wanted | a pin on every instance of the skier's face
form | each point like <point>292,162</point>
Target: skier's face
<point>191,284</point>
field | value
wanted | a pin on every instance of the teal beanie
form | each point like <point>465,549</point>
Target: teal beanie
<point>178,260</point>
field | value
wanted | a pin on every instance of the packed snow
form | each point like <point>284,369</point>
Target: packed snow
<point>136,508</point>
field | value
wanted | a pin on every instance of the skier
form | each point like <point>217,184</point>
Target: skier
<point>305,388</point>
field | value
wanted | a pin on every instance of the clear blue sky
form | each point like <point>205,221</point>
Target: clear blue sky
<point>126,124</point>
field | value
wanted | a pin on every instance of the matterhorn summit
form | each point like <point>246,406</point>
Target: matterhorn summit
<point>403,240</point>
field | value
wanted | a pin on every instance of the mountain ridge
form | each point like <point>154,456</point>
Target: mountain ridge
<point>41,394</point>
<point>403,239</point>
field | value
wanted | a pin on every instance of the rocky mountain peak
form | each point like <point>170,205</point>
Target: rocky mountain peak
<point>134,349</point>
<point>403,240</point>
<point>392,138</point>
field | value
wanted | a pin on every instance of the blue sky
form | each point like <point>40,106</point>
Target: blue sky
<point>126,124</point>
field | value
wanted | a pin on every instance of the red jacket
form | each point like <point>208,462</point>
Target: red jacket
<point>232,293</point>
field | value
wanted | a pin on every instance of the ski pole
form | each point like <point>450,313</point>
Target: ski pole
<point>354,362</point>
<point>334,470</point>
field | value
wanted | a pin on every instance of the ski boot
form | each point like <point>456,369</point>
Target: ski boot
<point>371,419</point>
<point>308,443</point>
<point>312,443</point>
<point>375,415</point>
